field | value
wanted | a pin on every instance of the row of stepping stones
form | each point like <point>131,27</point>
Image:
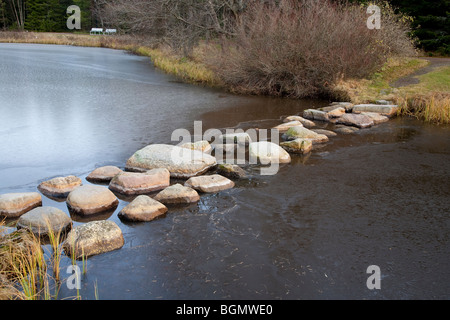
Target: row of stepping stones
<point>151,168</point>
<point>96,237</point>
<point>299,134</point>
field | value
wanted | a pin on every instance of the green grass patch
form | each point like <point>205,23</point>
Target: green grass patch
<point>429,99</point>
<point>438,80</point>
<point>392,70</point>
<point>378,85</point>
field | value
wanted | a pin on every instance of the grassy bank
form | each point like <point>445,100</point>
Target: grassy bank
<point>190,70</point>
<point>370,90</point>
<point>428,100</point>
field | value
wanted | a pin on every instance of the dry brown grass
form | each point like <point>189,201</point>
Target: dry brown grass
<point>431,107</point>
<point>82,40</point>
<point>26,272</point>
<point>22,265</point>
<point>428,100</point>
<point>190,70</point>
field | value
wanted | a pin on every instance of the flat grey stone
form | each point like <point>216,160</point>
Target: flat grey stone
<point>181,162</point>
<point>43,220</point>
<point>142,208</point>
<point>209,184</point>
<point>87,200</point>
<point>177,194</point>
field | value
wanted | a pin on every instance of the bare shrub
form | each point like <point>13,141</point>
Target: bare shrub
<point>179,24</point>
<point>393,35</point>
<point>301,48</point>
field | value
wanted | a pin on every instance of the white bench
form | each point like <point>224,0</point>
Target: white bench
<point>96,31</point>
<point>110,31</point>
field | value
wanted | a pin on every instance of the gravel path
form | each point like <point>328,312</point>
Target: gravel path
<point>411,79</point>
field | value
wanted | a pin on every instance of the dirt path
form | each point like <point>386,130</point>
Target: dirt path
<point>411,79</point>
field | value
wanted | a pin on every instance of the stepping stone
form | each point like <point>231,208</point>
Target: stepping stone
<point>43,220</point>
<point>385,110</point>
<point>314,114</point>
<point>265,152</point>
<point>13,205</point>
<point>103,174</point>
<point>357,120</point>
<point>142,208</point>
<point>305,122</point>
<point>328,133</point>
<point>376,117</point>
<point>299,145</point>
<point>209,184</point>
<point>177,194</point>
<point>333,111</point>
<point>59,187</point>
<point>231,171</point>
<point>181,162</point>
<point>336,113</point>
<point>285,126</point>
<point>87,200</point>
<point>304,133</point>
<point>93,238</point>
<point>202,146</point>
<point>346,129</point>
<point>348,106</point>
<point>132,183</point>
<point>239,138</point>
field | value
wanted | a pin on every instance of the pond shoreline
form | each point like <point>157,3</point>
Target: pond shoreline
<point>431,106</point>
<point>362,198</point>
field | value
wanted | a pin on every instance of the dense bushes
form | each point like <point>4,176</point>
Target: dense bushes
<point>303,48</point>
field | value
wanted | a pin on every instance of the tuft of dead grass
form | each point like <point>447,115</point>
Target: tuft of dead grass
<point>22,265</point>
<point>26,272</point>
<point>432,107</point>
<point>428,100</point>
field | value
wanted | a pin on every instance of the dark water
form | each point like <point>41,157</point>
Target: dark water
<point>378,197</point>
